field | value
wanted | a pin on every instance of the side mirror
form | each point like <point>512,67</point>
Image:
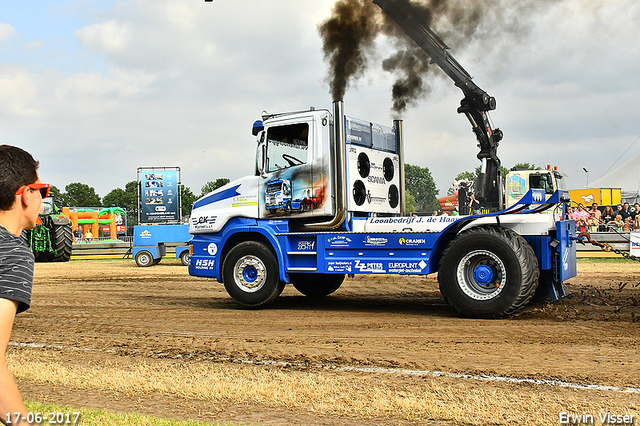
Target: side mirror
<point>261,156</point>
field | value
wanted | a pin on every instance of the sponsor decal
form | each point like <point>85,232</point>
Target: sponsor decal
<point>244,201</point>
<point>306,245</point>
<point>412,219</point>
<point>145,234</point>
<point>376,200</point>
<point>203,219</point>
<point>447,219</point>
<point>634,249</point>
<point>538,196</point>
<point>375,267</point>
<point>339,241</point>
<point>516,186</point>
<point>339,266</point>
<point>380,180</point>
<point>373,241</point>
<point>565,259</point>
<point>201,223</point>
<point>407,267</point>
<point>207,264</point>
<point>212,249</point>
<point>246,204</point>
<point>412,241</point>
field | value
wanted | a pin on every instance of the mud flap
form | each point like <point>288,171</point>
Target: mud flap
<point>564,259</point>
<point>554,287</point>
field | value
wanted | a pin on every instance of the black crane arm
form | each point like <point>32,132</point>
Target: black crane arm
<point>474,105</point>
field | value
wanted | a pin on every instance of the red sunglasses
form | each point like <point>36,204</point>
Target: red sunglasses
<point>42,187</point>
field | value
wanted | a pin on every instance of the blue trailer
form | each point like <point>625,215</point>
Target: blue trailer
<point>150,243</point>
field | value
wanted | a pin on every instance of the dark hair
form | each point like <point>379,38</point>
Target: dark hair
<point>17,168</point>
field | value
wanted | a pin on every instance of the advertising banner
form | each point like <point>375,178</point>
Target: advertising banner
<point>159,194</point>
<point>635,244</point>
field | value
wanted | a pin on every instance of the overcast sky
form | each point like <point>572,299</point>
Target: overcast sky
<point>95,89</point>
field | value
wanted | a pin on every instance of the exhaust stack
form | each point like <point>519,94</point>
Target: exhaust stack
<point>397,124</point>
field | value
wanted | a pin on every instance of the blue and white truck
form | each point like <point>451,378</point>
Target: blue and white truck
<point>349,174</point>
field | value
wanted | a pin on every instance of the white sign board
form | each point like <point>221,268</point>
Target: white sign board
<point>635,244</point>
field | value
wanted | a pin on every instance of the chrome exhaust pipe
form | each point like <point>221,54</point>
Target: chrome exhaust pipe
<point>397,124</point>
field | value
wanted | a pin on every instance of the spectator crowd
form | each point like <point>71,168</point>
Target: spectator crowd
<point>621,219</point>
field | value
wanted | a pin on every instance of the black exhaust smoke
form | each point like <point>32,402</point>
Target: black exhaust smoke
<point>346,36</point>
<point>350,33</point>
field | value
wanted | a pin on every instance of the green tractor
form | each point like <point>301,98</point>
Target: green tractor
<point>51,240</point>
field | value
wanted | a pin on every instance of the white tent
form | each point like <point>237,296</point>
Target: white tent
<point>626,177</point>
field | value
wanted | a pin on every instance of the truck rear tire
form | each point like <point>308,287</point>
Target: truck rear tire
<point>488,272</point>
<point>185,257</point>
<point>317,285</point>
<point>250,274</point>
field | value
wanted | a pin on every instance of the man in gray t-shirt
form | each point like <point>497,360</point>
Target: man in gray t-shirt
<point>21,194</point>
<point>16,269</point>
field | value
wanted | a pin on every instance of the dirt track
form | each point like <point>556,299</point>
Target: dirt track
<point>86,312</point>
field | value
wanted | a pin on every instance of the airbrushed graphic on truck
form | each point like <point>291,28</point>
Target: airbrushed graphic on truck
<point>280,197</point>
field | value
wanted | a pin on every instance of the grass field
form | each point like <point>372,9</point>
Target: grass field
<point>86,417</point>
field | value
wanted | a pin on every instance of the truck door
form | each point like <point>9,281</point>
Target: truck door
<point>288,187</point>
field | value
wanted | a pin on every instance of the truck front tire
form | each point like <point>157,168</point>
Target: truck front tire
<point>250,274</point>
<point>488,272</point>
<point>317,285</point>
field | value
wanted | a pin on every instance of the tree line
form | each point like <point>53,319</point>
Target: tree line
<point>82,195</point>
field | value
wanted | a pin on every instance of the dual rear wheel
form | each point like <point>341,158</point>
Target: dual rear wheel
<point>488,272</point>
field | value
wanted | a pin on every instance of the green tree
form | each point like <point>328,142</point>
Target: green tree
<point>55,191</point>
<point>409,202</point>
<point>212,186</point>
<point>420,184</point>
<point>188,198</point>
<point>116,198</point>
<point>80,195</point>
<point>126,199</point>
<point>525,166</point>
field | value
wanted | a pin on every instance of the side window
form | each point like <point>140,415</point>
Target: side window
<point>287,146</point>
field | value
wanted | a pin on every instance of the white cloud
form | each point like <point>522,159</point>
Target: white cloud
<point>18,91</point>
<point>6,32</point>
<point>110,37</point>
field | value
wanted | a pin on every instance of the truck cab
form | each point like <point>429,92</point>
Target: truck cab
<point>518,182</point>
